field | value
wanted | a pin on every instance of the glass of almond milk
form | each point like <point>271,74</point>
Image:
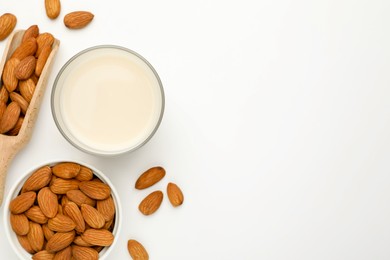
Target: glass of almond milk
<point>107,100</point>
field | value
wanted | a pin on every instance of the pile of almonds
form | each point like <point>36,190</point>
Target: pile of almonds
<point>63,212</point>
<point>151,204</point>
<point>20,76</point>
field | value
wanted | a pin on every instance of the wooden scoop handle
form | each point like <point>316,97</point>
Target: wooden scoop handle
<point>7,153</point>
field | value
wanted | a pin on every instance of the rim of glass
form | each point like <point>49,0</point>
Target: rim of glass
<point>55,87</point>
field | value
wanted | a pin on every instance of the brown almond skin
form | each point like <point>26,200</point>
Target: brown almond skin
<point>10,117</point>
<point>92,217</point>
<point>7,24</point>
<point>3,94</point>
<point>47,232</point>
<point>80,242</point>
<point>60,241</point>
<point>61,223</point>
<point>136,250</point>
<point>3,107</point>
<point>66,170</point>
<point>98,237</point>
<point>25,68</point>
<point>42,58</point>
<point>78,197</point>
<point>53,8</point>
<point>19,224</point>
<point>27,88</point>
<point>73,211</point>
<point>151,203</point>
<point>36,215</point>
<point>150,177</point>
<point>95,190</point>
<point>85,174</point>
<point>48,202</point>
<point>39,179</point>
<point>27,48</point>
<point>106,208</point>
<point>78,19</point>
<point>23,104</point>
<point>22,202</point>
<point>61,186</point>
<point>15,131</point>
<point>43,40</point>
<point>9,79</point>
<point>23,241</point>
<point>43,255</point>
<point>175,195</point>
<point>31,32</point>
<point>64,254</point>
<point>35,236</point>
<point>84,253</point>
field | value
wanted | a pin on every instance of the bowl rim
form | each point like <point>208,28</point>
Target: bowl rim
<point>12,237</point>
<point>55,88</point>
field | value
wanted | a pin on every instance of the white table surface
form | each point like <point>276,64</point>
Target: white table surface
<point>277,125</point>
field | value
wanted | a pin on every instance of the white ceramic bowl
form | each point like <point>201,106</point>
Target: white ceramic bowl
<point>15,189</point>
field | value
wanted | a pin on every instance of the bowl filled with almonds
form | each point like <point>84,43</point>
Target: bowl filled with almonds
<point>63,210</point>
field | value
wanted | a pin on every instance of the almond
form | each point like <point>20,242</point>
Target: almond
<point>25,68</point>
<point>78,197</point>
<point>27,48</point>
<point>73,211</point>
<point>15,131</point>
<point>19,224</point>
<point>3,107</point>
<point>64,254</point>
<point>64,200</point>
<point>31,32</point>
<point>47,232</point>
<point>80,242</point>
<point>44,39</point>
<point>84,253</point>
<point>34,78</point>
<point>106,208</point>
<point>175,194</point>
<point>136,250</point>
<point>85,174</point>
<point>92,217</point>
<point>60,241</point>
<point>98,237</point>
<point>10,117</point>
<point>7,25</point>
<point>66,170</point>
<point>78,19</point>
<point>98,248</point>
<point>53,8</point>
<point>61,186</point>
<point>35,236</point>
<point>35,214</point>
<point>39,179</point>
<point>61,223</point>
<point>95,190</point>
<point>22,202</point>
<point>3,94</point>
<point>42,58</point>
<point>27,88</point>
<point>43,255</point>
<point>109,225</point>
<point>9,79</point>
<point>151,203</point>
<point>150,177</point>
<point>20,100</point>
<point>60,210</point>
<point>48,202</point>
<point>23,241</point>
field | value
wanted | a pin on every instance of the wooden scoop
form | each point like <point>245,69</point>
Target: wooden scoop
<point>10,145</point>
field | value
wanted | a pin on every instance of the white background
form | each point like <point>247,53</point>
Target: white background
<point>277,125</point>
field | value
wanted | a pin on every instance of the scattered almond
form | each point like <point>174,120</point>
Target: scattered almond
<point>150,177</point>
<point>136,250</point>
<point>151,203</point>
<point>7,25</point>
<point>175,195</point>
<point>53,8</point>
<point>78,19</point>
